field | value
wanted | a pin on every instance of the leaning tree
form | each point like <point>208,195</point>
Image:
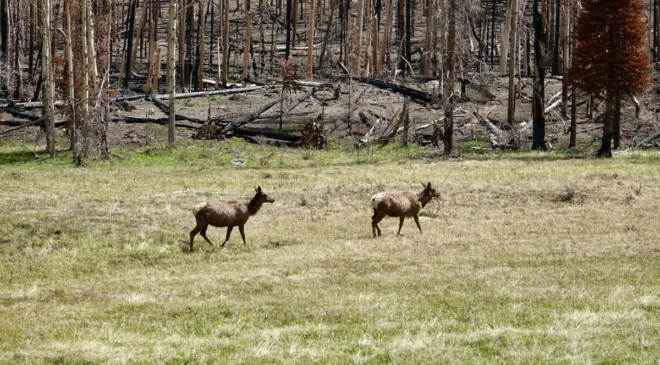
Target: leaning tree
<point>611,55</point>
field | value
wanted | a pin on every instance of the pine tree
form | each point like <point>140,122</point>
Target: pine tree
<point>611,55</point>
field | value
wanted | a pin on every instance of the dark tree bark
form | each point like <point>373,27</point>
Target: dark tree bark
<point>408,34</point>
<point>129,37</point>
<point>4,36</point>
<point>555,54</point>
<point>608,127</point>
<point>327,33</point>
<point>448,138</point>
<point>573,138</point>
<point>171,66</point>
<point>617,122</point>
<point>212,39</point>
<point>540,37</point>
<point>288,29</point>
<point>225,42</point>
<point>655,31</point>
<point>492,35</point>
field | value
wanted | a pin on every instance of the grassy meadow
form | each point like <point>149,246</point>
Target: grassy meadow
<point>526,258</point>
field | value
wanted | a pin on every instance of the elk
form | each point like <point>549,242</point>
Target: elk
<point>403,204</point>
<point>226,214</point>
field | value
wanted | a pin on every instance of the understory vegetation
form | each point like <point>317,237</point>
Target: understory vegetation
<point>525,258</point>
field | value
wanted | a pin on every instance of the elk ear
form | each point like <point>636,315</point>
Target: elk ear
<point>429,185</point>
<point>258,189</point>
<point>423,185</point>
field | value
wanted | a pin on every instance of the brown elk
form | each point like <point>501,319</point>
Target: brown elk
<point>226,214</point>
<point>403,205</point>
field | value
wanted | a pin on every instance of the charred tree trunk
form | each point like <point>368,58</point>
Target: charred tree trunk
<point>358,48</point>
<point>200,45</point>
<point>171,67</point>
<point>287,52</point>
<point>138,36</point>
<point>492,34</point>
<point>294,21</point>
<point>506,32</point>
<point>212,37</point>
<point>31,40</point>
<point>385,45</point>
<point>182,41</point>
<point>512,62</point>
<point>47,70</point>
<point>448,138</point>
<point>573,138</point>
<point>4,36</point>
<point>565,60</point>
<point>653,4</point>
<point>608,126</point>
<point>430,19</point>
<point>538,126</point>
<point>617,122</point>
<point>70,79</point>
<point>189,12</point>
<point>374,46</point>
<point>408,34</point>
<point>555,53</point>
<point>128,67</point>
<point>248,42</point>
<point>326,37</point>
<point>225,44</point>
<point>310,41</point>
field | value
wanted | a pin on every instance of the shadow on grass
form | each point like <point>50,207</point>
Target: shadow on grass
<point>27,156</point>
<point>23,156</point>
<point>486,154</point>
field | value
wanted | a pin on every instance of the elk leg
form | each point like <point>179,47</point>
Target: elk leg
<point>228,235</point>
<point>417,223</point>
<point>374,223</point>
<point>400,225</point>
<point>203,233</point>
<point>240,229</point>
<point>193,233</point>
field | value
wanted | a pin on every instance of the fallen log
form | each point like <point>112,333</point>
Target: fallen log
<point>255,132</point>
<point>282,47</point>
<point>316,84</point>
<point>274,116</point>
<point>290,109</point>
<point>299,101</point>
<point>11,123</point>
<point>25,105</point>
<point>647,141</point>
<point>22,115</point>
<point>163,121</point>
<point>492,127</point>
<point>238,122</point>
<point>166,109</point>
<point>35,122</point>
<point>187,95</point>
<point>414,94</point>
<point>553,105</point>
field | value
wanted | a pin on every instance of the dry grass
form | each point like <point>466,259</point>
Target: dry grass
<point>94,265</point>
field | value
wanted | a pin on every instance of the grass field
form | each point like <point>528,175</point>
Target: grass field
<point>525,258</point>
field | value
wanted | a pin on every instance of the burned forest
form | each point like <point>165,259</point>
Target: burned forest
<point>478,74</point>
